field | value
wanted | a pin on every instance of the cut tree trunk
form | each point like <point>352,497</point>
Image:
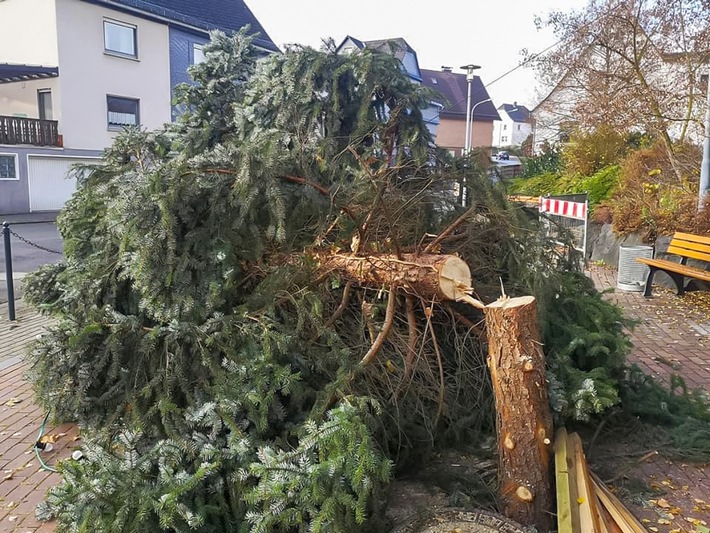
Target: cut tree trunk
<point>517,366</point>
<point>428,275</point>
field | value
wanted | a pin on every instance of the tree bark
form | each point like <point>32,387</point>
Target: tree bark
<point>428,275</point>
<point>517,367</point>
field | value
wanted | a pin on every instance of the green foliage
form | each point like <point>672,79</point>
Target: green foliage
<point>586,348</point>
<point>588,152</point>
<point>548,162</point>
<point>304,486</point>
<point>212,363</point>
<point>601,184</point>
<point>172,330</point>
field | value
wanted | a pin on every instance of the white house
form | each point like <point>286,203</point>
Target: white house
<point>75,72</point>
<point>514,126</point>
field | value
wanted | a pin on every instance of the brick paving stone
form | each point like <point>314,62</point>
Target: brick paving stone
<point>672,337</point>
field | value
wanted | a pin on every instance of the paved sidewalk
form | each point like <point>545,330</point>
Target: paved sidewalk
<point>672,335</point>
<point>23,482</point>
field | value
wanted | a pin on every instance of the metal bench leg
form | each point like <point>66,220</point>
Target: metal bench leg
<point>679,281</point>
<point>649,282</point>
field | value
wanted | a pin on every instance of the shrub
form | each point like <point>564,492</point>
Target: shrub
<point>657,195</point>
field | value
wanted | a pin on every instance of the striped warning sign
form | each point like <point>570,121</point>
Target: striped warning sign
<point>563,208</point>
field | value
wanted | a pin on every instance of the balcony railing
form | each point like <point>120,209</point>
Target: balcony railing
<point>21,130</point>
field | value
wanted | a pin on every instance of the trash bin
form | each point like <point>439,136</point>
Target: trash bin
<point>632,274</point>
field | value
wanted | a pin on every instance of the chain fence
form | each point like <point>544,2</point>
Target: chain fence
<point>7,235</point>
<point>33,244</point>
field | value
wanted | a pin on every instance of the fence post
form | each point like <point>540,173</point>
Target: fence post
<point>8,270</point>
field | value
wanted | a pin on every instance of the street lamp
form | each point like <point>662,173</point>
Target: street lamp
<point>469,143</point>
<point>469,80</point>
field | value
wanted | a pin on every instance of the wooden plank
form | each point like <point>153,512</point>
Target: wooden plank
<point>672,266</point>
<point>685,252</point>
<point>586,500</point>
<point>621,515</point>
<point>690,245</point>
<point>562,482</point>
<point>607,522</point>
<point>691,237</point>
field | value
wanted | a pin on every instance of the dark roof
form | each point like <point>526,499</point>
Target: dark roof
<point>398,47</point>
<point>454,88</point>
<point>226,15</point>
<point>516,112</point>
<point>11,73</point>
<point>357,42</point>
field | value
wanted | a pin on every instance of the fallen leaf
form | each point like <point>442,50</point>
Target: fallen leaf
<point>8,477</point>
<point>51,439</point>
<point>12,402</point>
<point>11,518</point>
<point>663,503</point>
<point>664,522</point>
<point>580,501</point>
<point>654,529</point>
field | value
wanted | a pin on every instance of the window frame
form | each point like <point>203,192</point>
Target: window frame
<point>41,109</point>
<point>196,47</point>
<point>17,166</point>
<point>120,127</point>
<point>118,53</point>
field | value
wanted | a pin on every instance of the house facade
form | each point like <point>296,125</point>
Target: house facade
<point>514,127</point>
<point>453,89</point>
<point>88,69</point>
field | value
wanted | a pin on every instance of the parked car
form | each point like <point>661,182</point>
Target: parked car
<point>503,156</point>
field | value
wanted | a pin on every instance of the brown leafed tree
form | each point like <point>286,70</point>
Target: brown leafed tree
<point>633,65</point>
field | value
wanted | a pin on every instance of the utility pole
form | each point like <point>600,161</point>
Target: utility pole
<point>705,165</point>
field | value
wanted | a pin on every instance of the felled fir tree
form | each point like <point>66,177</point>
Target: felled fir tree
<point>213,365</point>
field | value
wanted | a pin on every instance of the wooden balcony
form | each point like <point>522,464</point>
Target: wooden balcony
<point>32,131</point>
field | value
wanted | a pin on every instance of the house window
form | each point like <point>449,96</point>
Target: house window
<point>122,112</point>
<point>198,56</point>
<point>8,167</point>
<point>505,126</point>
<point>44,101</point>
<point>518,127</point>
<point>120,39</point>
<point>504,138</point>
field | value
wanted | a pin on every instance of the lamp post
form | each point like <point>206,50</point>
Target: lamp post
<point>469,80</point>
<point>469,142</point>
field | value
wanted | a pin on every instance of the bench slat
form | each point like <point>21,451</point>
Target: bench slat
<point>685,245</point>
<point>676,267</point>
<point>685,252</point>
<point>692,238</point>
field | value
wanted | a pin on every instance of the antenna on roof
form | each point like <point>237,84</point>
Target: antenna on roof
<point>444,68</point>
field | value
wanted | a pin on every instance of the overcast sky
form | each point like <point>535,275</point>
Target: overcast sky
<point>443,32</point>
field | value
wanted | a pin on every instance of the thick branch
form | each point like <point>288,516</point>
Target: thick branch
<point>430,276</point>
<point>386,327</point>
<point>455,224</point>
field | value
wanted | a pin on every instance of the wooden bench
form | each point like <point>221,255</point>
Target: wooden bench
<point>685,246</point>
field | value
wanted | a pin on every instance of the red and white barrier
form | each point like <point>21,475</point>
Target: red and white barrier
<point>564,208</point>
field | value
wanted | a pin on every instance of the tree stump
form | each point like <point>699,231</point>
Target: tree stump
<point>517,366</point>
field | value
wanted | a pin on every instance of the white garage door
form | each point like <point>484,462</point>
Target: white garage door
<point>50,187</point>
